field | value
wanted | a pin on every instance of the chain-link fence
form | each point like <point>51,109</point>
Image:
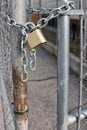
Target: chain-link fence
<point>6,67</point>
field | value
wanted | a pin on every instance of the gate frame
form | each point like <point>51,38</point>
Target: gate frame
<point>63,71</point>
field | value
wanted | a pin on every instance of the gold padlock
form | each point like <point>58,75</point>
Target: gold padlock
<point>35,38</point>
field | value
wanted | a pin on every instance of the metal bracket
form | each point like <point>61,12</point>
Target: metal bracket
<point>73,117</point>
<point>76,13</point>
<point>60,3</point>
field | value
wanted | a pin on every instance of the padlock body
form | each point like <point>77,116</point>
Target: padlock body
<point>35,38</point>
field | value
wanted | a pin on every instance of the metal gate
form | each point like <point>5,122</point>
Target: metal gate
<point>63,118</point>
<point>83,73</point>
<point>63,74</point>
<point>63,69</point>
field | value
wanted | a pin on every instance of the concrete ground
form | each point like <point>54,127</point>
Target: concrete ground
<point>42,91</point>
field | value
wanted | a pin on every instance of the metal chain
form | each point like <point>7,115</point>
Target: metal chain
<point>33,60</point>
<point>61,10</point>
<point>54,13</point>
<point>24,60</point>
<point>12,22</point>
<point>29,27</point>
<point>39,10</point>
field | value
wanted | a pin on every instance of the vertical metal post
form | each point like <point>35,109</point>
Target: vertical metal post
<point>63,71</point>
<point>81,65</point>
<point>39,3</point>
<point>30,5</point>
<point>20,88</point>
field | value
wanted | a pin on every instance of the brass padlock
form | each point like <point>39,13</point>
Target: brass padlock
<point>35,38</point>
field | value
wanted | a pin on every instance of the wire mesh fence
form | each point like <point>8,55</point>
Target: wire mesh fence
<point>5,66</point>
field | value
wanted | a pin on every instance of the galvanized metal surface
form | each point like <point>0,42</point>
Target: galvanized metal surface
<point>73,117</point>
<point>80,103</point>
<point>75,12</point>
<point>63,72</point>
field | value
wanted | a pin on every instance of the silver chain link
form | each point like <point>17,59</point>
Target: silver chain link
<point>54,13</point>
<point>61,10</point>
<point>31,26</point>
<point>33,60</point>
<point>12,22</point>
<point>40,10</point>
<point>24,60</point>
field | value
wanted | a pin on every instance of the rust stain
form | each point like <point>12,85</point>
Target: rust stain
<point>20,91</point>
<point>2,109</point>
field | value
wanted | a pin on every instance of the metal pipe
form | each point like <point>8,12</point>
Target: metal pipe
<point>39,3</point>
<point>81,66</point>
<point>63,71</point>
<point>73,117</point>
<point>30,5</point>
<point>20,88</point>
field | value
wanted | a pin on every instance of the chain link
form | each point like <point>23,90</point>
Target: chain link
<point>24,60</point>
<point>31,26</point>
<point>40,10</point>
<point>61,10</point>
<point>54,13</point>
<point>12,22</point>
<point>33,60</point>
